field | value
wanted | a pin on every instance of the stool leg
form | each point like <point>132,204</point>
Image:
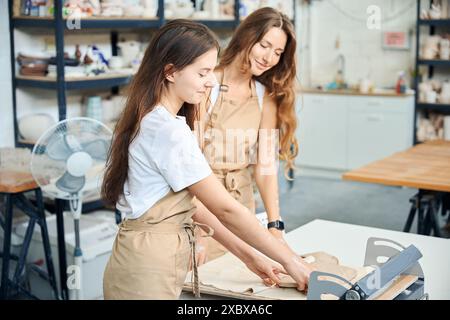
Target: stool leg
<point>6,247</point>
<point>61,248</point>
<point>427,223</point>
<point>24,250</point>
<point>46,242</point>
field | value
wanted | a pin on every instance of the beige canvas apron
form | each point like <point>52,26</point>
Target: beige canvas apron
<point>150,256</point>
<point>229,157</point>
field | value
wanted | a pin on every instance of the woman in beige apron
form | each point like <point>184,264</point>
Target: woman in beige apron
<point>224,112</point>
<point>232,166</point>
<point>155,168</point>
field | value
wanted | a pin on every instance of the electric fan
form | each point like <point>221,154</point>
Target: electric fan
<point>68,163</point>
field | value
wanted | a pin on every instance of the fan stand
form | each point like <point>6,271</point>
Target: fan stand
<point>75,287</point>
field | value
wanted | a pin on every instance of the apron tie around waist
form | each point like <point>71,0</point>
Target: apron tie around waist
<point>134,225</point>
<point>234,181</point>
<point>190,229</point>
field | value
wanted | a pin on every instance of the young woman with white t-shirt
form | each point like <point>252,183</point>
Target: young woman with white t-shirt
<point>155,168</point>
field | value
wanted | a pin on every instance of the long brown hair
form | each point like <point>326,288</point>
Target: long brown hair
<point>178,43</point>
<point>279,80</point>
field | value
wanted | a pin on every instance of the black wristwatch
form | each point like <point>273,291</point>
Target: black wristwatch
<point>277,224</point>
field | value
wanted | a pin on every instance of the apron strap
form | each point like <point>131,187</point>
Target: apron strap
<point>190,229</point>
<point>260,90</point>
<point>215,92</point>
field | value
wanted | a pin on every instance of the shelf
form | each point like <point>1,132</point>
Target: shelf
<point>88,23</point>
<point>434,63</point>
<point>445,108</point>
<point>101,81</point>
<point>217,23</point>
<point>435,22</point>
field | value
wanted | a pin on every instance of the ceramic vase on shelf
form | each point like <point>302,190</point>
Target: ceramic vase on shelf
<point>444,97</point>
<point>94,108</point>
<point>444,8</point>
<point>444,50</point>
<point>424,87</point>
<point>435,11</point>
<point>430,49</point>
<point>447,128</point>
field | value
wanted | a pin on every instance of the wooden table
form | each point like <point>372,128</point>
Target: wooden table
<point>425,167</point>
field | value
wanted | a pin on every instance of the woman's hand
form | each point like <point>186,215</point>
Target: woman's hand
<point>300,271</point>
<point>266,269</point>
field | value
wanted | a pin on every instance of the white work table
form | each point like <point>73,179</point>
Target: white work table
<point>348,243</point>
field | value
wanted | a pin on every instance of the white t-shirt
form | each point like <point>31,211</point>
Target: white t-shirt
<point>164,155</point>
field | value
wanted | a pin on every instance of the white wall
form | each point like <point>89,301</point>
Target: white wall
<point>360,46</point>
<point>6,112</point>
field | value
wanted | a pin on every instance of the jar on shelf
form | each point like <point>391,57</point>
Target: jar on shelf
<point>94,108</point>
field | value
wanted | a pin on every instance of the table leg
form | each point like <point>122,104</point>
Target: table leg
<point>412,213</point>
<point>434,219</point>
<point>6,247</point>
<point>420,219</point>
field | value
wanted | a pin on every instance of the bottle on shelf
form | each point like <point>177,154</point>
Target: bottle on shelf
<point>401,83</point>
<point>78,53</point>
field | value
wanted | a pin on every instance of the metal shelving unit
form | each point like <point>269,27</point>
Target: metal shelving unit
<point>60,84</point>
<point>432,24</point>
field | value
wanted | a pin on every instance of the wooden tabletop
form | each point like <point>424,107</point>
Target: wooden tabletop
<point>425,166</point>
<point>15,182</point>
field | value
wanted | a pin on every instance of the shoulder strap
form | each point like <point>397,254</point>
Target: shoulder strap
<point>215,91</point>
<point>260,90</point>
<point>213,97</point>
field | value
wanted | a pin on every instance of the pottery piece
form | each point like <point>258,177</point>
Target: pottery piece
<point>447,127</point>
<point>444,97</point>
<point>129,50</point>
<point>431,97</point>
<point>431,47</point>
<point>32,126</point>
<point>424,87</point>
<point>435,11</point>
<point>444,49</point>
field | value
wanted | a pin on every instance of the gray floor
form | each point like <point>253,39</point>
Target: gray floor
<point>343,201</point>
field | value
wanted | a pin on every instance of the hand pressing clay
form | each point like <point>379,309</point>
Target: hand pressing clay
<point>322,262</point>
